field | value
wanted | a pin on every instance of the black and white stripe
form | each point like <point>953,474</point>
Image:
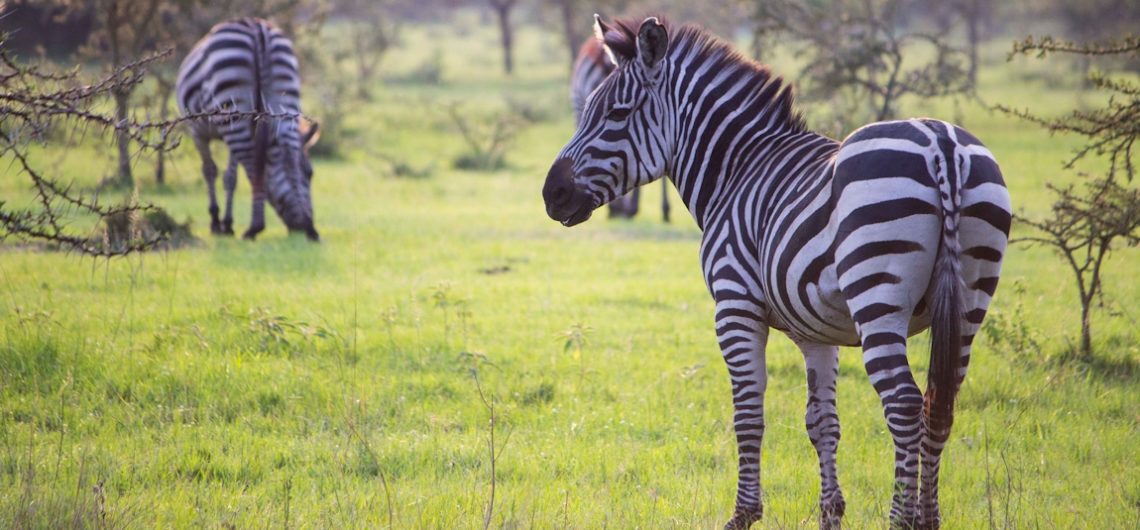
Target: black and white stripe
<point>592,67</point>
<point>248,66</point>
<point>899,228</point>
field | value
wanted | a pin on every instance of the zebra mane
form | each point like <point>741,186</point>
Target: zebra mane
<point>774,94</point>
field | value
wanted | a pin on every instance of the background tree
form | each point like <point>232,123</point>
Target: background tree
<point>1086,222</point>
<point>1091,20</point>
<point>859,54</point>
<point>372,30</point>
<point>502,9</point>
<point>574,27</point>
<point>124,31</point>
<point>45,27</point>
<point>34,102</point>
<point>976,17</point>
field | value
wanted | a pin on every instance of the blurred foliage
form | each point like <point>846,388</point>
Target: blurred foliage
<point>487,137</point>
<point>1086,224</point>
<point>121,230</point>
<point>34,101</point>
<point>863,56</point>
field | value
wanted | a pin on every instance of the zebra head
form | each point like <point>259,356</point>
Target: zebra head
<point>289,178</point>
<point>623,138</point>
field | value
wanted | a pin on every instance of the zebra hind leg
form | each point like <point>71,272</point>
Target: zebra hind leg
<point>229,181</point>
<point>822,421</point>
<point>210,173</point>
<point>884,358</point>
<point>257,213</point>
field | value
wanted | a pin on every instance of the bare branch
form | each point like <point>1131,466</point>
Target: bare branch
<point>1045,45</point>
<point>32,103</point>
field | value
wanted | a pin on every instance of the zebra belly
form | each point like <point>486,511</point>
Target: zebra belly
<point>808,301</point>
<point>809,306</point>
<point>827,322</point>
<point>835,325</point>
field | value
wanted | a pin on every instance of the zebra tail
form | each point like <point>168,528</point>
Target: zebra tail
<point>262,71</point>
<point>946,317</point>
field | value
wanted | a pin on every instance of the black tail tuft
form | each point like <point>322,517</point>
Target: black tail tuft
<point>945,335</point>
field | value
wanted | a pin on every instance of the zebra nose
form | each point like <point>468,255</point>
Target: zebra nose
<point>559,186</point>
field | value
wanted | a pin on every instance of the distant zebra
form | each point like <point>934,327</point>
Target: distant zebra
<point>248,65</point>
<point>900,227</point>
<point>590,69</point>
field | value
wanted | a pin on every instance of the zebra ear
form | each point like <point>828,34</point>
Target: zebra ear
<point>614,42</point>
<point>652,42</point>
<point>310,133</point>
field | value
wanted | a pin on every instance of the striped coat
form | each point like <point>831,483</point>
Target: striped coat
<point>899,228</point>
<point>248,66</point>
<point>591,68</point>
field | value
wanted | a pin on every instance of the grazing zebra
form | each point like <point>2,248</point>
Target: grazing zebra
<point>590,69</point>
<point>247,65</point>
<point>900,227</point>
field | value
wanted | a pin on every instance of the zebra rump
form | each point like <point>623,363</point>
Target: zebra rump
<point>242,85</point>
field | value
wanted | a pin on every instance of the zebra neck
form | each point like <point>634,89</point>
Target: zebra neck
<point>720,149</point>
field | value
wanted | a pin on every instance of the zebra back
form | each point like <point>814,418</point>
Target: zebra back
<point>248,65</point>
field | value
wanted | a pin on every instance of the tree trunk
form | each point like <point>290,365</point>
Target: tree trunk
<point>122,108</point>
<point>573,40</point>
<point>165,90</point>
<point>160,168</point>
<point>972,35</point>
<point>503,11</point>
<point>1086,329</point>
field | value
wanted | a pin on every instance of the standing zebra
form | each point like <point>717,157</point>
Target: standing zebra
<point>900,227</point>
<point>592,67</point>
<point>247,65</point>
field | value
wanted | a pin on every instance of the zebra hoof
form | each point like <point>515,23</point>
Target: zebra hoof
<point>906,523</point>
<point>930,522</point>
<point>250,234</point>
<point>216,228</point>
<point>743,519</point>
<point>831,513</point>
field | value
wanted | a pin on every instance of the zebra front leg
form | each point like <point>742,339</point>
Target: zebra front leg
<point>742,343</point>
<point>229,182</point>
<point>210,173</point>
<point>884,358</point>
<point>822,420</point>
<point>665,199</point>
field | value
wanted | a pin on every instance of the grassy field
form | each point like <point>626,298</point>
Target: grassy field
<point>283,384</point>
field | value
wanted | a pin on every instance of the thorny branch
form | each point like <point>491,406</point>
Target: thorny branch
<point>1084,225</point>
<point>1045,45</point>
<point>34,101</point>
<point>1111,130</point>
<point>861,47</point>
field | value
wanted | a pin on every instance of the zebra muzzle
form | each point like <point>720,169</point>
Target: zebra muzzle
<point>565,203</point>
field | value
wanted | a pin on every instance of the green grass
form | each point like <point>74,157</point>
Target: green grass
<point>284,384</point>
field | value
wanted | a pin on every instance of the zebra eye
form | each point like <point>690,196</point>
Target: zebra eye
<point>619,113</point>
